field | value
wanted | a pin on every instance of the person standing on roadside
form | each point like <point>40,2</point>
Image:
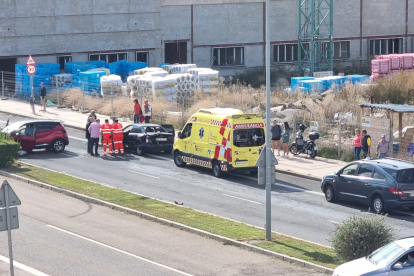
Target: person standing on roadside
<point>94,130</point>
<point>276,131</point>
<point>43,96</point>
<point>147,111</point>
<point>118,137</point>
<point>137,112</point>
<point>285,140</point>
<point>106,130</point>
<point>357,144</point>
<point>383,147</point>
<point>366,144</point>
<point>92,115</point>
<point>32,101</point>
<point>88,134</point>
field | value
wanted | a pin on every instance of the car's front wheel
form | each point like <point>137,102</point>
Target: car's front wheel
<point>58,146</point>
<point>178,159</point>
<point>217,172</point>
<point>140,152</point>
<point>329,194</point>
<point>378,205</point>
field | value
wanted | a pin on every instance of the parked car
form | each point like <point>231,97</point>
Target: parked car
<point>149,137</point>
<point>39,134</point>
<point>393,259</point>
<point>382,184</point>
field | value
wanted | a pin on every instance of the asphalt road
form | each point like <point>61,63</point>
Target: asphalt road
<point>61,235</point>
<point>299,208</point>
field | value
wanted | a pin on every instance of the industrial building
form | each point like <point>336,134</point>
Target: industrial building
<point>227,35</point>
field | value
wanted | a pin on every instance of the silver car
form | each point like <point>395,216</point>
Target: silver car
<point>396,258</point>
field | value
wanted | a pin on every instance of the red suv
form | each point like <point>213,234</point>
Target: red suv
<point>39,134</point>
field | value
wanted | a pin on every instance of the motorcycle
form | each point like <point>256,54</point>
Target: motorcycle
<point>307,147</point>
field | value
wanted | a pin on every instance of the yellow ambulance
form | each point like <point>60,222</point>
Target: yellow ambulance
<point>221,139</point>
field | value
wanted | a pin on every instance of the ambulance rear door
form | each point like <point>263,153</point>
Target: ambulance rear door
<point>248,141</point>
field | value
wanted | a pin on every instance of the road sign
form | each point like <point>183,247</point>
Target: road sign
<point>261,161</point>
<point>30,61</point>
<point>261,176</point>
<point>314,126</point>
<point>13,199</point>
<point>31,69</point>
<point>14,219</point>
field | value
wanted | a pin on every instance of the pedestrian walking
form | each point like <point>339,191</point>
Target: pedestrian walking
<point>32,101</point>
<point>366,144</point>
<point>118,137</point>
<point>137,112</point>
<point>383,147</point>
<point>94,130</point>
<point>92,115</point>
<point>357,143</point>
<point>276,131</point>
<point>147,111</point>
<point>43,97</point>
<point>285,140</point>
<point>88,134</point>
<point>106,130</point>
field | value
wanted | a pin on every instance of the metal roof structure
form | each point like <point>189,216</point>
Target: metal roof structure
<point>392,107</point>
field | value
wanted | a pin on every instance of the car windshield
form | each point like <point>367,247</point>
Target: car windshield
<point>154,129</point>
<point>12,127</point>
<point>253,137</point>
<point>393,173</point>
<point>386,254</point>
<point>406,175</point>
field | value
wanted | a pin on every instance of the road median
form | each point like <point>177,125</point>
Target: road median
<point>301,252</point>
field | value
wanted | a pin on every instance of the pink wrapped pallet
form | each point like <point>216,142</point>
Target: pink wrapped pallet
<point>395,62</point>
<point>407,61</point>
<point>381,57</point>
<point>380,66</point>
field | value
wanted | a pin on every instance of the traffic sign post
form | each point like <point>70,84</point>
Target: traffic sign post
<point>31,70</point>
<point>9,198</point>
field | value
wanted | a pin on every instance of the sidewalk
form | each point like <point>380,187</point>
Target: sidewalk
<point>296,165</point>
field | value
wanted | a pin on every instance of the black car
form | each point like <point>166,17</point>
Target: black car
<point>149,137</point>
<point>382,184</point>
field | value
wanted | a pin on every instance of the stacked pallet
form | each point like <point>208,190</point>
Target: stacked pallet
<point>111,86</point>
<point>91,81</point>
<point>384,65</point>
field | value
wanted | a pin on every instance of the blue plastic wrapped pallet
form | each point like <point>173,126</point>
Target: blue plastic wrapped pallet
<point>294,82</point>
<point>128,68</point>
<point>310,86</point>
<point>69,66</point>
<point>354,79</point>
<point>334,82</point>
<point>97,63</point>
<point>77,68</point>
<point>116,67</point>
<point>91,81</point>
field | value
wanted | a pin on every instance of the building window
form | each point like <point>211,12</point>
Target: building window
<point>142,56</point>
<point>108,58</point>
<point>385,46</point>
<point>228,56</point>
<point>63,59</point>
<point>287,52</point>
<point>341,49</point>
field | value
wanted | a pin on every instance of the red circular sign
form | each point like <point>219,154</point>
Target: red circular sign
<point>31,69</point>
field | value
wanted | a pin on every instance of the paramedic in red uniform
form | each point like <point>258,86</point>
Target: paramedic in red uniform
<point>106,130</point>
<point>118,137</point>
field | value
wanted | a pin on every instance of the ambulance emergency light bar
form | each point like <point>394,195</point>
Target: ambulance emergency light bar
<point>247,115</point>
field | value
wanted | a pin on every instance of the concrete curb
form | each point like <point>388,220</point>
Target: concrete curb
<point>314,178</point>
<point>180,226</point>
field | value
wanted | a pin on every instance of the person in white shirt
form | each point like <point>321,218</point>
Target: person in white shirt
<point>147,111</point>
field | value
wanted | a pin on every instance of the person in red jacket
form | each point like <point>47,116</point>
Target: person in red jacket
<point>137,112</point>
<point>118,137</point>
<point>106,130</point>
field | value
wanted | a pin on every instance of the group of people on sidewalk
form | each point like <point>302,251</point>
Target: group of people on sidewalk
<point>139,115</point>
<point>277,135</point>
<point>362,142</point>
<point>111,134</point>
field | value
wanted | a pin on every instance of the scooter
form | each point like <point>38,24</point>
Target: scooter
<point>307,147</point>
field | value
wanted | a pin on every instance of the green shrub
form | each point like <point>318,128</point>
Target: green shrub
<point>359,236</point>
<point>332,153</point>
<point>8,150</point>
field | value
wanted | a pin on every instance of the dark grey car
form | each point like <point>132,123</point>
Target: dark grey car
<point>382,184</point>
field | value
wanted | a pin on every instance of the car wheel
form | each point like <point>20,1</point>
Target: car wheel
<point>254,172</point>
<point>294,150</point>
<point>329,194</point>
<point>140,152</point>
<point>178,159</point>
<point>217,172</point>
<point>313,154</point>
<point>58,145</point>
<point>378,205</point>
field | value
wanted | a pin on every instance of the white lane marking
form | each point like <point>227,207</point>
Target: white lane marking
<point>144,174</point>
<point>160,157</point>
<point>23,267</point>
<point>79,139</point>
<point>334,222</point>
<point>242,199</point>
<point>405,213</point>
<point>119,250</point>
<point>285,186</point>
